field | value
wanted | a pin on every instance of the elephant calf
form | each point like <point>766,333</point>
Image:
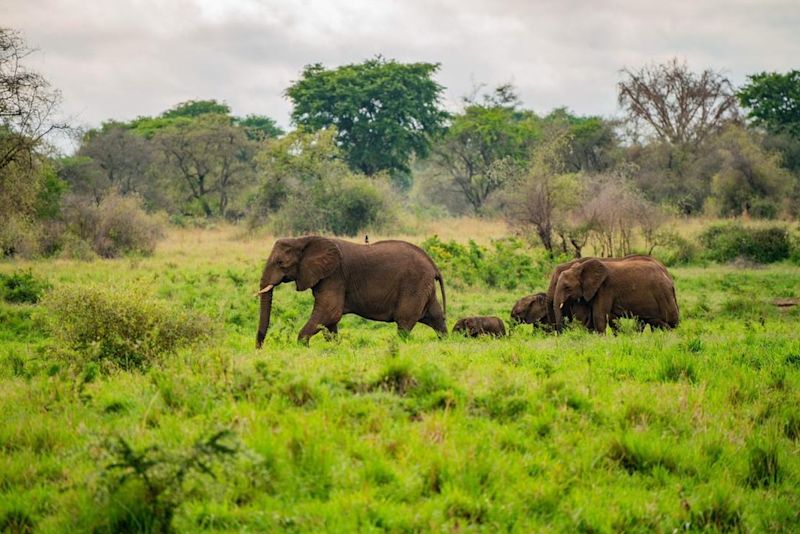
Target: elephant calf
<point>480,326</point>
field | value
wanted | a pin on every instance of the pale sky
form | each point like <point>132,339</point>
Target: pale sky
<point>124,58</point>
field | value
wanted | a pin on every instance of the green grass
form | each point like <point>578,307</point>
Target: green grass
<point>693,429</point>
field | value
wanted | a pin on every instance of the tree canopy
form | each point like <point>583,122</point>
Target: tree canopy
<point>384,111</point>
<point>678,105</point>
<point>773,101</point>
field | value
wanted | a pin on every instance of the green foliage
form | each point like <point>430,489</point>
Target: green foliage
<point>369,432</point>
<point>748,179</point>
<point>120,326</point>
<point>480,137</point>
<point>116,226</point>
<point>146,486</point>
<point>773,100</point>
<point>384,111</point>
<point>507,264</point>
<point>593,141</point>
<point>728,241</point>
<point>22,287</point>
<point>260,127</point>
<point>207,159</point>
<point>195,108</point>
<point>308,189</point>
<point>764,463</point>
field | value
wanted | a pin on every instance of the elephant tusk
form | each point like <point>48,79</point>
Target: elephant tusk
<point>561,306</point>
<point>262,291</point>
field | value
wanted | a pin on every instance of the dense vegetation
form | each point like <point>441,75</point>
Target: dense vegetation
<point>692,429</point>
<point>374,149</point>
<point>132,399</point>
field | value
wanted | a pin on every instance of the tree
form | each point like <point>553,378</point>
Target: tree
<point>259,127</point>
<point>308,187</point>
<point>748,180</point>
<point>27,106</point>
<point>479,138</point>
<point>124,158</point>
<point>208,156</point>
<point>383,111</point>
<point>195,108</point>
<point>773,100</point>
<point>593,140</point>
<point>27,103</point>
<point>539,195</point>
<point>678,105</point>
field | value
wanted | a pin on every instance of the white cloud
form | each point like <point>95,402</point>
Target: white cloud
<point>123,58</point>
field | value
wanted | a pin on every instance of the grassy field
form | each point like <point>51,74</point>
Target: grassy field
<point>693,429</point>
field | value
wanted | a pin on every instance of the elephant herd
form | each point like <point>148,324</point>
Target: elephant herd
<point>395,281</point>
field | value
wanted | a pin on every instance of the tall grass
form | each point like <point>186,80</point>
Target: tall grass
<point>686,430</point>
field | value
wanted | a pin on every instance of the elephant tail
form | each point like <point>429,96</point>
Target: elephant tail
<point>444,297</point>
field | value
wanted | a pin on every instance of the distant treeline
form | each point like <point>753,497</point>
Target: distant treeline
<point>372,144</point>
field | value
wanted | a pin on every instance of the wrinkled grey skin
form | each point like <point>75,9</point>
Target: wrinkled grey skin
<point>480,326</point>
<point>578,307</point>
<point>390,281</point>
<point>636,288</point>
<point>531,309</point>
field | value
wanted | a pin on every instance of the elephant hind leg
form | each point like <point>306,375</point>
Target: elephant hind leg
<point>331,331</point>
<point>434,317</point>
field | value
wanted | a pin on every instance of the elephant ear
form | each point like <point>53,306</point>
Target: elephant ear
<point>319,259</point>
<point>537,308</point>
<point>593,274</point>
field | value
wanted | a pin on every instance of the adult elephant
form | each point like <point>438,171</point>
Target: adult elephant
<point>530,309</point>
<point>578,308</point>
<point>633,288</point>
<point>533,309</point>
<point>391,281</point>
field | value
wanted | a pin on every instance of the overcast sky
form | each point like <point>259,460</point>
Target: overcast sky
<point>123,58</point>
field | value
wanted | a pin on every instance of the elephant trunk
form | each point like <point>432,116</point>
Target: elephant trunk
<point>263,322</point>
<point>549,305</point>
<point>558,304</point>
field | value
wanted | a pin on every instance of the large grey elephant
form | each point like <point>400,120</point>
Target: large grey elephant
<point>391,281</point>
<point>578,308</point>
<point>636,288</point>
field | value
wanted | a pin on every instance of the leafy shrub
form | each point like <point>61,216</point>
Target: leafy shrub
<point>148,484</point>
<point>725,242</point>
<point>508,264</point>
<point>675,249</point>
<point>121,326</point>
<point>116,226</point>
<point>339,205</point>
<point>21,286</point>
<point>794,248</point>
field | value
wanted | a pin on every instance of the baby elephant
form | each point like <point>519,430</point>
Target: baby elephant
<point>480,326</point>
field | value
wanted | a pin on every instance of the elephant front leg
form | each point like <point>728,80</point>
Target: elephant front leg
<point>599,319</point>
<point>325,315</point>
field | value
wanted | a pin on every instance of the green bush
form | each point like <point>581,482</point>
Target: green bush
<point>675,249</point>
<point>120,326</point>
<point>507,264</point>
<point>116,226</point>
<point>341,206</point>
<point>21,286</point>
<point>725,242</point>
